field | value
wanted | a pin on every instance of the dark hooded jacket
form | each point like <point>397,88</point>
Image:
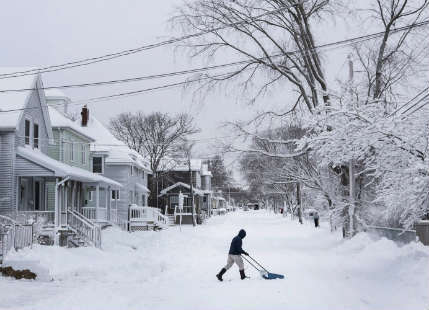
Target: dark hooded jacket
<point>236,244</point>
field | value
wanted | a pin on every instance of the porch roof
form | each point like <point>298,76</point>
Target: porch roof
<point>167,189</point>
<point>142,188</point>
<point>63,170</point>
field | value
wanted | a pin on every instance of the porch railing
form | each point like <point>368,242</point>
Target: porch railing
<point>86,229</point>
<point>114,216</point>
<point>42,217</point>
<point>95,214</point>
<point>147,215</point>
<point>187,210</point>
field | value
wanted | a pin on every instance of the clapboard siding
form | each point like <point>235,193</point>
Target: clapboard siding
<point>35,115</point>
<point>7,180</point>
<point>24,167</point>
<point>64,138</point>
<point>121,174</point>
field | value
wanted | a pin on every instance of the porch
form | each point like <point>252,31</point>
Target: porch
<point>189,213</point>
<point>53,195</point>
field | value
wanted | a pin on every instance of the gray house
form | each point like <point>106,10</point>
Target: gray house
<point>113,159</point>
<point>27,172</point>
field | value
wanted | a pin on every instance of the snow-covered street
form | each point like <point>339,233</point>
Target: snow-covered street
<point>176,270</point>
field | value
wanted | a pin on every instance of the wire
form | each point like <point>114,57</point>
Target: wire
<point>207,68</point>
<point>166,86</point>
<point>88,61</point>
<point>409,101</point>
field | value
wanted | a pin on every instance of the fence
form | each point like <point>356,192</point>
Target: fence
<point>394,234</point>
<point>13,235</point>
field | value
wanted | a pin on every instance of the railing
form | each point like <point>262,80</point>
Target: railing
<point>187,210</point>
<point>85,228</point>
<point>114,216</point>
<point>95,214</point>
<point>42,217</point>
<point>147,215</point>
<point>394,234</point>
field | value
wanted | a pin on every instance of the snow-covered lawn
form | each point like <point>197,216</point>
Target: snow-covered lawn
<point>176,270</point>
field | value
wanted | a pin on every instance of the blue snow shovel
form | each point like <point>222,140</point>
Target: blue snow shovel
<point>264,272</point>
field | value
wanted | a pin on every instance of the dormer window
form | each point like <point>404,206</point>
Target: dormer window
<point>27,131</point>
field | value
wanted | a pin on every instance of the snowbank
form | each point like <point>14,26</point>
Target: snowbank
<point>175,270</point>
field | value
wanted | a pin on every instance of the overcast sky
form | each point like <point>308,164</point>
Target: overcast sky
<point>39,33</point>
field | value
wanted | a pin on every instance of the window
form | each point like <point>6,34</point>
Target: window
<point>143,200</point>
<point>89,195</point>
<point>72,151</point>
<point>131,170</point>
<point>36,136</point>
<point>27,132</point>
<point>97,164</point>
<point>115,195</point>
<point>83,153</point>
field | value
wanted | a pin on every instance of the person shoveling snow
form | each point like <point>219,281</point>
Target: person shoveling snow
<point>234,255</point>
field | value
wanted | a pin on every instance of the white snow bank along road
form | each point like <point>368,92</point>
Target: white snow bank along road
<point>176,270</point>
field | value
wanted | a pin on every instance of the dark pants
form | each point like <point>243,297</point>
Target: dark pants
<point>316,222</point>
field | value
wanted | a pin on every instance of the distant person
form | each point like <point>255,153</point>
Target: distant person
<point>316,219</point>
<point>234,255</point>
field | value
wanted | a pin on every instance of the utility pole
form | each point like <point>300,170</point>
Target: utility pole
<point>351,209</point>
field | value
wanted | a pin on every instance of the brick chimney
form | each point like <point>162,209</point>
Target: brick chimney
<point>85,116</point>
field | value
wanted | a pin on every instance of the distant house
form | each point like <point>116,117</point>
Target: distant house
<point>113,159</point>
<point>33,185</point>
<point>175,178</point>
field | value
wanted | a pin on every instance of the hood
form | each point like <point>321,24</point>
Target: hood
<point>242,233</point>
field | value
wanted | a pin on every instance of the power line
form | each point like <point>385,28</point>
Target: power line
<point>409,101</point>
<point>208,68</point>
<point>106,57</point>
<point>131,93</point>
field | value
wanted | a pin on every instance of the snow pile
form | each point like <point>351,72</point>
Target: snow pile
<point>176,269</point>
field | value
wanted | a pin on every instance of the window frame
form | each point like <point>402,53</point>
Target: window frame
<point>71,151</point>
<point>36,140</point>
<point>27,139</point>
<point>83,153</point>
<point>117,194</point>
<point>102,164</point>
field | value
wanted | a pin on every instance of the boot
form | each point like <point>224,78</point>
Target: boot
<point>220,274</point>
<point>242,275</point>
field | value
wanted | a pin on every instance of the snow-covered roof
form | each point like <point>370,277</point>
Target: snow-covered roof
<point>59,120</point>
<point>167,189</point>
<point>180,165</point>
<point>55,93</point>
<point>142,188</point>
<point>61,169</point>
<point>105,141</point>
<point>14,100</point>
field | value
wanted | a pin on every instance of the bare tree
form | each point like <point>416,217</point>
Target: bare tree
<point>156,135</point>
<point>392,59</point>
<point>274,38</point>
